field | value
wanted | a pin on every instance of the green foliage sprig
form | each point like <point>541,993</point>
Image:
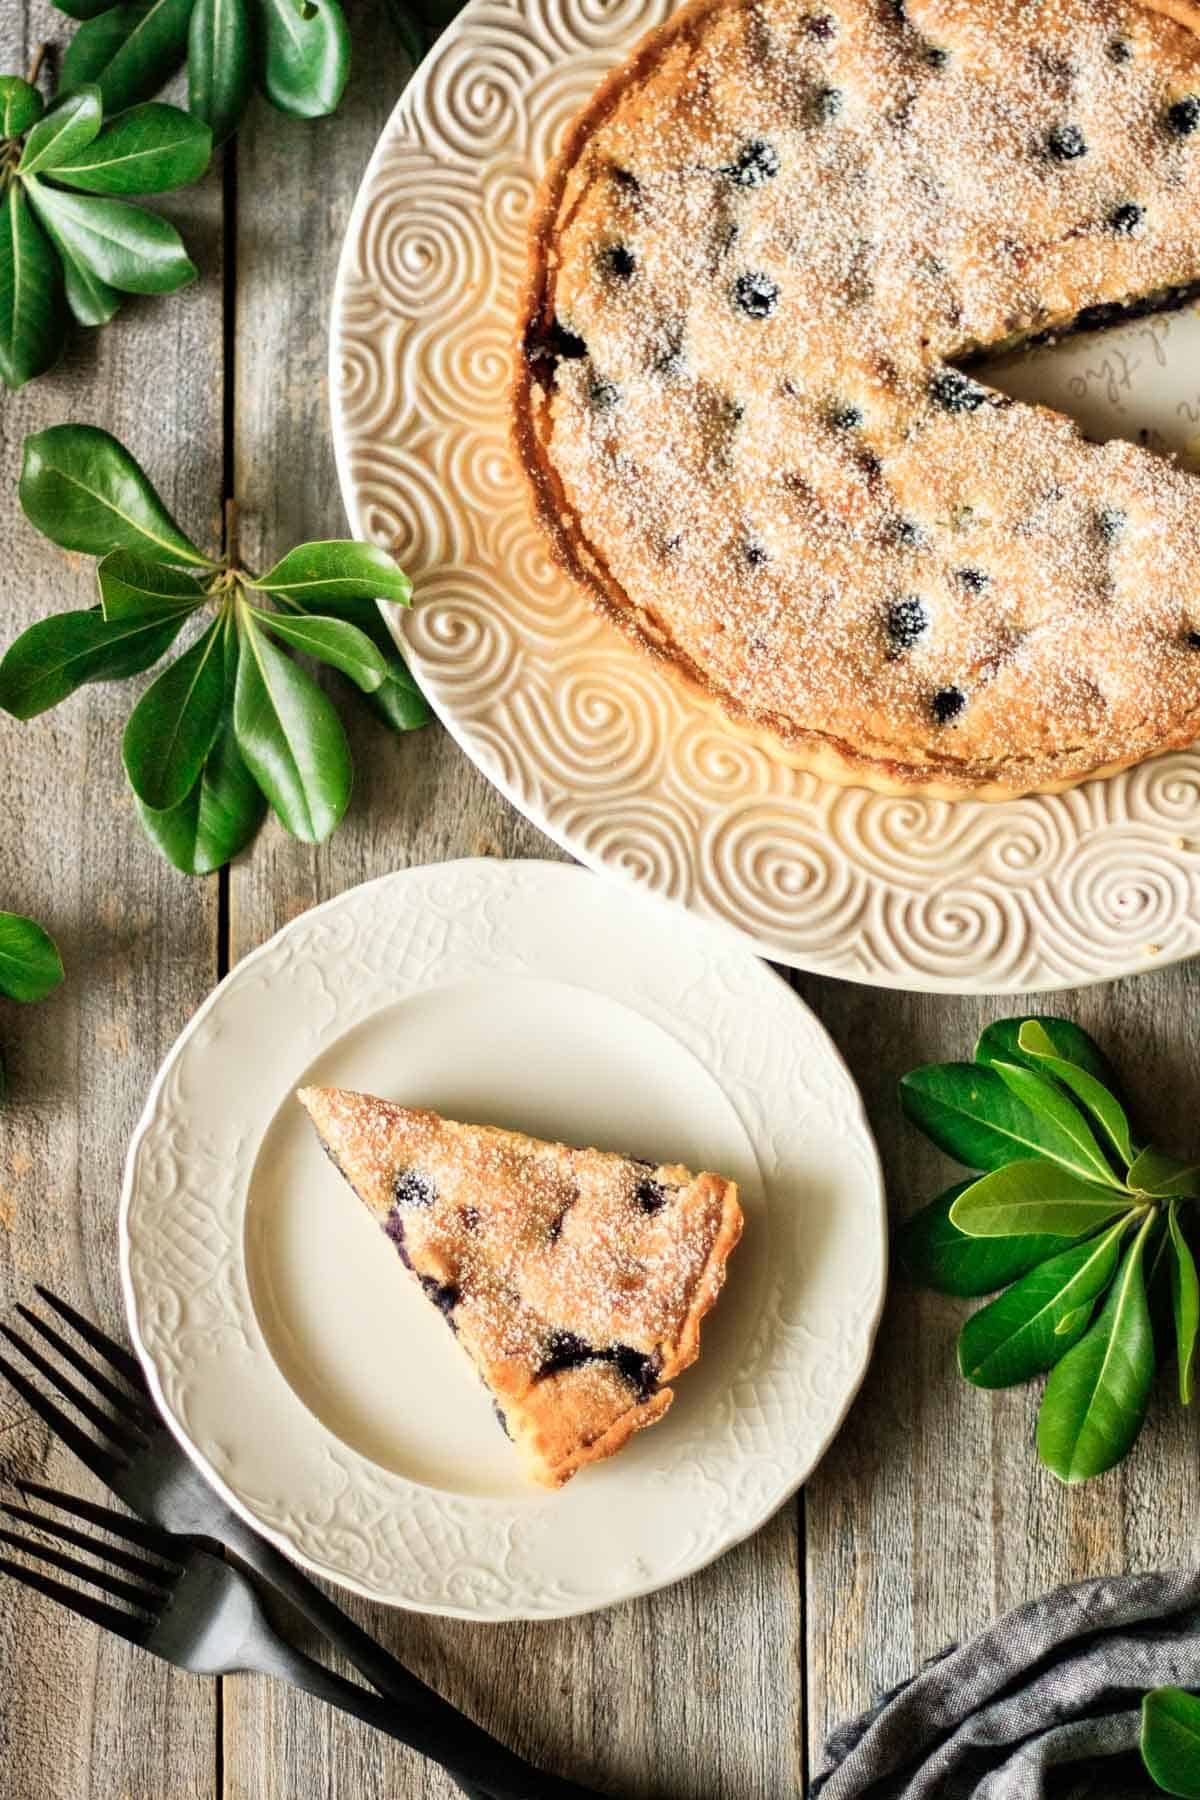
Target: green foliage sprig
<point>1171,1741</point>
<point>30,966</point>
<point>70,241</point>
<point>296,51</point>
<point>233,723</point>
<point>1086,1232</point>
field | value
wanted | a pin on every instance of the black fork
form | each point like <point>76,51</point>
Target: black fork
<point>138,1459</point>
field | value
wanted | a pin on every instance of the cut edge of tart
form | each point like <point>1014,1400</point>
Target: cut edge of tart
<point>542,339</point>
<point>576,1280</point>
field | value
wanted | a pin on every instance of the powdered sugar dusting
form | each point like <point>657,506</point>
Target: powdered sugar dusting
<point>769,249</point>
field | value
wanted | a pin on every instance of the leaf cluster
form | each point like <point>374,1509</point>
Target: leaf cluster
<point>1084,1231</point>
<point>233,723</point>
<point>71,241</point>
<point>296,51</point>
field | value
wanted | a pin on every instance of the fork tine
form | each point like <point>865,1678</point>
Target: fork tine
<point>114,1354</point>
<point>143,1599</point>
<point>120,1559</point>
<point>147,1537</point>
<point>111,1618</point>
<point>134,1410</point>
<point>67,1388</point>
<point>99,1460</point>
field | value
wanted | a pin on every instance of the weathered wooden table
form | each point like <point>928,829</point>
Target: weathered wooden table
<point>929,1515</point>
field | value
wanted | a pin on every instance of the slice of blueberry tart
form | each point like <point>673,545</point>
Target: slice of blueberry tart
<point>576,1280</point>
<point>760,266</point>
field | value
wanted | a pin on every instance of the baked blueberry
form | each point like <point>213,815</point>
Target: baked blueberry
<point>756,162</point>
<point>445,1295</point>
<point>907,533</point>
<point>1094,318</point>
<point>395,1230</point>
<point>947,703</point>
<point>1110,523</point>
<point>1066,143</point>
<point>604,395</point>
<point>1126,219</point>
<point>828,102</point>
<point>626,179</point>
<point>822,26</point>
<point>756,295</point>
<point>1184,116</point>
<point>1120,50</point>
<point>846,418</point>
<point>565,1351</point>
<point>975,580</point>
<point>619,260</point>
<point>553,343</point>
<point>1192,640</point>
<point>936,57</point>
<point>955,392</point>
<point>411,1188</point>
<point>650,1195</point>
<point>907,622</point>
<point>639,1370</point>
<point>503,1422</point>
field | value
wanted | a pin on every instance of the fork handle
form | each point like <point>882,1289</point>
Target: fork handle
<point>483,1767</point>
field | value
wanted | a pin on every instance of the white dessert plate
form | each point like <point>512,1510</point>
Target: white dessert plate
<point>599,748</point>
<point>306,1372</point>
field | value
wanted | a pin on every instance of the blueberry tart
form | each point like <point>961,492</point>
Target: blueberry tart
<point>575,1280</point>
<point>762,270</point>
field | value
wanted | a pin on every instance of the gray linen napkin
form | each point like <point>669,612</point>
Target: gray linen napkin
<point>1047,1701</point>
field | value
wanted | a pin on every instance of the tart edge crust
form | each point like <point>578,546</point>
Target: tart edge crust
<point>816,753</point>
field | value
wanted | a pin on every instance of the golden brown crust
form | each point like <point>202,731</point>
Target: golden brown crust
<point>576,1280</point>
<point>1155,702</point>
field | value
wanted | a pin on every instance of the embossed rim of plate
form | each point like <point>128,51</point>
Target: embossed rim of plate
<point>188,1288</point>
<point>615,762</point>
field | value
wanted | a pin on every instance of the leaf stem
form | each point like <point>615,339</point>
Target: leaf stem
<point>231,532</point>
<point>35,68</point>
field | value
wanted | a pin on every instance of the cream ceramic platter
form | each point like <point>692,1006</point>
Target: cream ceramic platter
<point>594,744</point>
<point>306,1372</point>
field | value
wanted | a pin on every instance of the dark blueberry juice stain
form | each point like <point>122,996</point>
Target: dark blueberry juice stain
<point>1192,640</point>
<point>619,261</point>
<point>395,1230</point>
<point>1120,50</point>
<point>974,580</point>
<point>604,395</point>
<point>553,343</point>
<point>846,418</point>
<point>566,1351</point>
<point>1125,219</point>
<point>1110,523</point>
<point>828,103</point>
<point>1184,116</point>
<point>445,1295</point>
<point>650,1195</point>
<point>908,533</point>
<point>755,554</point>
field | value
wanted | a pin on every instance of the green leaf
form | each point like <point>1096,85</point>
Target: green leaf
<point>331,641</point>
<point>1096,1398</point>
<point>83,9</point>
<point>1044,1096</point>
<point>225,806</point>
<point>1163,1178</point>
<point>313,575</point>
<point>1002,1041</point>
<point>21,106</point>
<point>128,52</point>
<point>306,55</point>
<point>1185,1302</point>
<point>146,150</point>
<point>220,69</point>
<point>84,491</point>
<point>291,739</point>
<point>938,1255</point>
<point>1036,1044</point>
<point>1036,1321</point>
<point>128,247</point>
<point>399,702</point>
<point>173,726</point>
<point>91,300</point>
<point>133,587</point>
<point>1033,1199</point>
<point>32,316</point>
<point>971,1112</point>
<point>64,131</point>
<point>62,653</point>
<point>30,966</point>
<point>1171,1741</point>
<point>409,30</point>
